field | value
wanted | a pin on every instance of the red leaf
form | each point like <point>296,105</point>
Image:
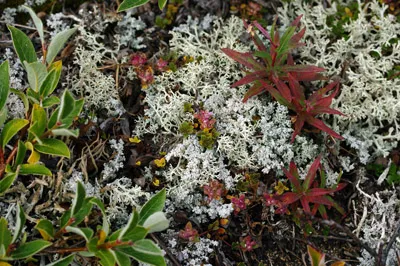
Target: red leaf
<point>311,173</point>
<point>320,125</point>
<point>297,127</point>
<point>253,76</point>
<point>317,95</point>
<point>315,192</point>
<point>296,21</point>
<point>277,96</point>
<point>294,41</point>
<point>305,204</point>
<point>293,176</point>
<point>289,198</point>
<point>263,31</point>
<point>253,91</point>
<point>245,59</point>
<point>297,91</point>
<point>283,89</point>
<point>326,110</point>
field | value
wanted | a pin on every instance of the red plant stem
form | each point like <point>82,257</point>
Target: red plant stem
<point>65,250</point>
<point>114,244</point>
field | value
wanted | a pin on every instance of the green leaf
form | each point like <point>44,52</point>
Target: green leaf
<point>64,261</point>
<point>57,43</point>
<point>5,234</point>
<point>38,122</point>
<point>29,249</point>
<point>66,132</point>
<point>53,118</point>
<point>7,181</point>
<point>4,84</point>
<point>33,96</point>
<point>106,226</point>
<point>317,258</point>
<point>83,212</point>
<point>132,223</point>
<point>121,258</point>
<point>21,151</point>
<point>3,116</point>
<point>37,21</point>
<point>156,222</point>
<point>37,72</point>
<point>155,204</point>
<point>107,258</point>
<point>34,169</point>
<point>50,101</point>
<point>53,147</point>
<point>10,129</point>
<point>161,4</point>
<point>65,218</point>
<point>79,198</point>
<point>23,98</point>
<point>86,233</point>
<point>145,251</point>
<point>68,120</point>
<point>114,236</point>
<point>46,229</point>
<point>23,45</point>
<point>128,4</point>
<point>50,82</point>
<point>21,219</point>
<point>137,233</point>
<point>66,106</point>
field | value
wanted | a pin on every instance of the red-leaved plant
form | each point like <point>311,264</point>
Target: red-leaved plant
<point>272,67</point>
<point>308,192</point>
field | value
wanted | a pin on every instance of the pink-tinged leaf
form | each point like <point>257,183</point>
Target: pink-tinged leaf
<point>254,76</point>
<point>294,41</point>
<point>311,173</point>
<point>292,176</point>
<point>315,192</point>
<point>308,76</point>
<point>277,96</point>
<point>317,95</point>
<point>295,88</point>
<point>297,127</point>
<point>327,201</point>
<point>305,204</point>
<point>245,59</point>
<point>290,61</point>
<point>317,258</point>
<point>325,110</point>
<point>327,101</point>
<point>263,31</point>
<point>339,186</point>
<point>296,21</point>
<point>256,89</point>
<point>283,89</point>
<point>288,198</point>
<point>320,125</point>
<point>303,69</point>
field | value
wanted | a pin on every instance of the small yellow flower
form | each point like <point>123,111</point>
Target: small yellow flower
<point>160,162</point>
<point>134,140</point>
<point>138,163</point>
<point>280,188</point>
<point>156,181</point>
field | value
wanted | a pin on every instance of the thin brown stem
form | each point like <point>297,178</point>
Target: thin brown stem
<point>65,250</point>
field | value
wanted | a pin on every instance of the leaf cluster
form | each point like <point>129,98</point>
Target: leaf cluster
<point>110,247</point>
<point>307,192</point>
<point>273,69</point>
<point>46,116</point>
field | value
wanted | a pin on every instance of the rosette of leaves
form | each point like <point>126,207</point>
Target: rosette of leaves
<point>272,61</point>
<point>46,116</point>
<point>306,192</point>
<point>128,4</point>
<point>111,248</point>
